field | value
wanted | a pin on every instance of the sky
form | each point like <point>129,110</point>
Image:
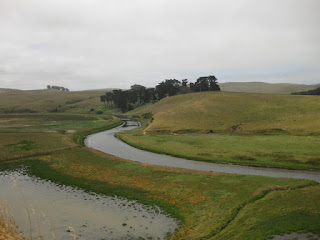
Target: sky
<point>94,44</point>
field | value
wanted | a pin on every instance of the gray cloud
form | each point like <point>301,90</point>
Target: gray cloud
<point>89,44</point>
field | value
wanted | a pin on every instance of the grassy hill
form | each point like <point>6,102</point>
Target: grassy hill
<point>21,101</point>
<point>253,129</point>
<point>261,87</point>
<point>234,112</point>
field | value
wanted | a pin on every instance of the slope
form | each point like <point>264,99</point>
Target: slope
<point>234,112</point>
<point>20,101</point>
<point>262,87</point>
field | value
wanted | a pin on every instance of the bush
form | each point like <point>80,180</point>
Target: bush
<point>98,112</point>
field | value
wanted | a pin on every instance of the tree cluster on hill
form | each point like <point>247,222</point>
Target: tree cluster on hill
<point>138,94</point>
<point>58,88</point>
<point>310,92</point>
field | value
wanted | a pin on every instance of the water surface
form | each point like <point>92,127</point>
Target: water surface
<point>106,142</point>
<point>59,212</point>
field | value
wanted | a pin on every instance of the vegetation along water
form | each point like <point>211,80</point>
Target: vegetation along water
<point>207,205</point>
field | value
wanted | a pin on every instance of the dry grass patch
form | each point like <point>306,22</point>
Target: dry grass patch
<point>8,229</point>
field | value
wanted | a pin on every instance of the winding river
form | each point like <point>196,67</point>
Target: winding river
<point>106,142</point>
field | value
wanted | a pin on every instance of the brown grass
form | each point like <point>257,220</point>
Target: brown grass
<point>8,229</point>
<point>234,112</point>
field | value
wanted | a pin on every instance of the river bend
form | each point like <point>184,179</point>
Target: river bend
<point>106,142</point>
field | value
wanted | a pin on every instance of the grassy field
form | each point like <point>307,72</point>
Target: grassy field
<point>208,205</point>
<point>23,135</point>
<point>281,151</point>
<point>251,129</point>
<point>37,101</point>
<point>261,218</point>
<point>262,87</point>
<point>223,112</point>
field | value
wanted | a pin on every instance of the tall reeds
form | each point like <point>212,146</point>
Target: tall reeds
<point>8,229</point>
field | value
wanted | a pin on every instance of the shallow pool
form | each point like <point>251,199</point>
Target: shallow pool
<point>61,212</point>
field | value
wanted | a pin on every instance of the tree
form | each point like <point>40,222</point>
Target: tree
<point>184,82</point>
<point>202,84</point>
<point>152,94</point>
<point>109,98</point>
<point>208,83</point>
<point>309,92</point>
<point>139,91</point>
<point>213,83</point>
<point>169,87</point>
<point>138,94</point>
<point>184,88</point>
<point>103,99</point>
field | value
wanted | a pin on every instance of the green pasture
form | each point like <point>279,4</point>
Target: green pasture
<point>18,145</point>
<point>49,101</point>
<point>282,151</point>
<point>206,204</point>
<point>22,135</point>
<point>52,122</point>
<point>226,112</point>
<point>262,87</point>
<point>265,217</point>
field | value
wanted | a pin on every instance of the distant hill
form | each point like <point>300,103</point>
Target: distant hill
<point>234,113</point>
<point>24,101</point>
<point>261,87</point>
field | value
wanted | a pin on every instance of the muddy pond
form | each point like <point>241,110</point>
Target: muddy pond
<point>61,212</point>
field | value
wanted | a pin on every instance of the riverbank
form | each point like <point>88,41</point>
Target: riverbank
<point>118,148</point>
<point>272,151</point>
<point>206,203</point>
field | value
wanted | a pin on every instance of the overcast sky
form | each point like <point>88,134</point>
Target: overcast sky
<point>91,44</point>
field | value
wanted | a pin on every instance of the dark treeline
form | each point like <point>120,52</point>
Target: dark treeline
<point>137,95</point>
<point>310,92</point>
<point>58,88</point>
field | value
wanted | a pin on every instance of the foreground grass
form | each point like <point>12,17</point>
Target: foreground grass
<point>284,151</point>
<point>8,230</point>
<point>204,202</point>
<point>208,205</point>
<point>266,216</point>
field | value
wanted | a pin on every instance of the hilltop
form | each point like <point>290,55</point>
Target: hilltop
<point>211,112</point>
<point>262,87</point>
<point>24,101</point>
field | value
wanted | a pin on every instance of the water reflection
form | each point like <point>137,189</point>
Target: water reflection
<point>62,212</point>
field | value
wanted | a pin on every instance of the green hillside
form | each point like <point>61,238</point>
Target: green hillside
<point>234,112</point>
<point>240,128</point>
<point>21,101</point>
<point>261,87</point>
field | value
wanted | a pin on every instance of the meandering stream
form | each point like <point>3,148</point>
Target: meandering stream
<point>106,142</point>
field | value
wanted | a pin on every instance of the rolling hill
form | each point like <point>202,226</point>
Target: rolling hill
<point>234,112</point>
<point>26,101</point>
<point>261,87</point>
